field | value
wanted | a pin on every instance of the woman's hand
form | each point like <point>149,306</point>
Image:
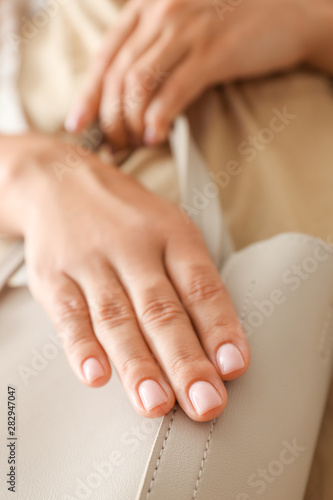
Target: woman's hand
<point>123,275</point>
<point>163,53</point>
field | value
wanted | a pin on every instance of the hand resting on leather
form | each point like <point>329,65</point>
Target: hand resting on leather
<point>124,276</point>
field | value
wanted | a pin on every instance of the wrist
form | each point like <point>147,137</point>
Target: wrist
<point>20,180</point>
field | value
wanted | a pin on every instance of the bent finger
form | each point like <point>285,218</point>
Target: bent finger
<point>178,91</point>
<point>85,109</point>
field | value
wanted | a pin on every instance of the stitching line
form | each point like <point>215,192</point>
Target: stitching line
<point>161,452</point>
<point>203,461</point>
<point>246,301</point>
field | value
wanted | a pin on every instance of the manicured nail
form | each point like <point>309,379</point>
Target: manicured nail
<point>151,394</point>
<point>204,397</point>
<point>73,119</point>
<point>150,135</point>
<point>92,369</point>
<point>229,359</point>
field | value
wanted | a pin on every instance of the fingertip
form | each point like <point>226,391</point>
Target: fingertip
<point>154,135</point>
<point>150,135</point>
<point>232,362</point>
<point>208,400</point>
<point>157,123</point>
<point>95,373</point>
<point>153,400</point>
<point>77,119</point>
<point>71,124</point>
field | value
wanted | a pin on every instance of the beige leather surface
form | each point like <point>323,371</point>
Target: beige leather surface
<point>75,442</point>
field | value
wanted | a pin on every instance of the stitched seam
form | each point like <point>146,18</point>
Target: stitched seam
<point>203,461</point>
<point>247,301</point>
<point>204,458</point>
<point>161,453</point>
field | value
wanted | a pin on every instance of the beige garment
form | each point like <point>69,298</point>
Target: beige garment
<point>283,185</point>
<point>269,142</point>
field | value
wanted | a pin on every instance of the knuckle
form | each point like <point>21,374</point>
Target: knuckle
<point>181,362</point>
<point>68,317</point>
<point>159,311</point>
<point>75,343</point>
<point>111,312</point>
<point>201,287</point>
<point>232,330</point>
<point>65,309</point>
<point>167,9</point>
<point>39,274</point>
<point>134,363</point>
<point>36,287</point>
<point>134,78</point>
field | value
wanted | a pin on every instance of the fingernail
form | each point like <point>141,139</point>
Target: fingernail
<point>229,359</point>
<point>150,135</point>
<point>204,397</point>
<point>92,369</point>
<point>151,394</point>
<point>71,123</point>
<point>73,119</point>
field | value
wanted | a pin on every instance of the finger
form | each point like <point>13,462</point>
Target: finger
<point>170,336</point>
<point>117,100</point>
<point>178,91</point>
<point>85,109</point>
<point>208,304</point>
<point>145,76</point>
<point>117,329</point>
<point>64,302</point>
<point>111,112</point>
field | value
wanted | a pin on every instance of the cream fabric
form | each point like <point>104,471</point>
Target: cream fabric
<point>283,184</point>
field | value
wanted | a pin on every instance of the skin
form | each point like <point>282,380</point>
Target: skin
<point>163,54</point>
<point>127,276</point>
